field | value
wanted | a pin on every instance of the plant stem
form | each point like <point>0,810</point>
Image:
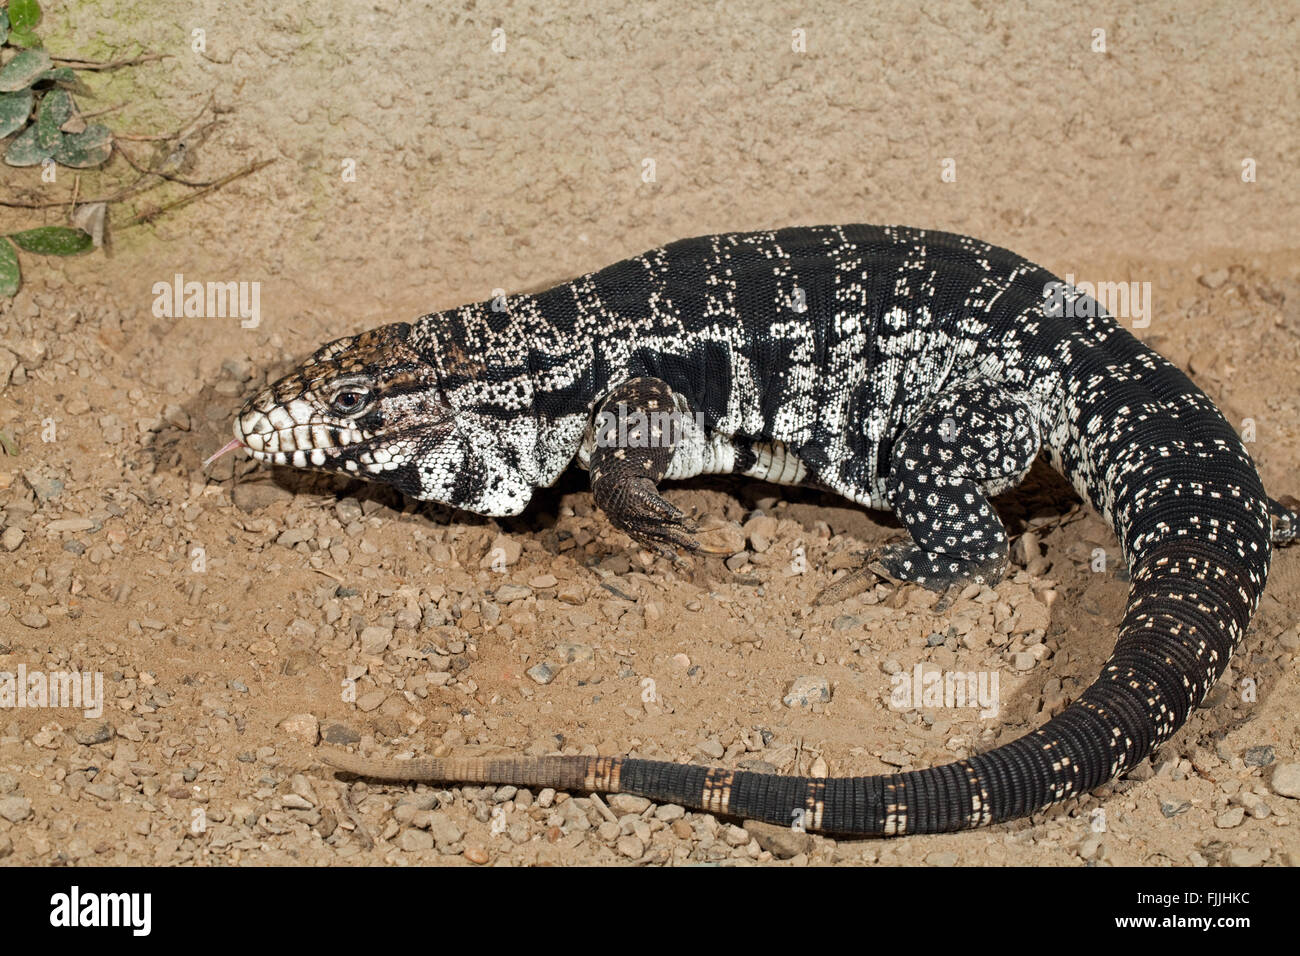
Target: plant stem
<point>150,214</point>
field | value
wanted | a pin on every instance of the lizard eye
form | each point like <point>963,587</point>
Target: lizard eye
<point>350,401</point>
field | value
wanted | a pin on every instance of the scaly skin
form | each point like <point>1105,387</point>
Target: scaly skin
<point>904,369</point>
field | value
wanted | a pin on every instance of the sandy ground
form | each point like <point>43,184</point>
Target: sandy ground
<point>240,616</point>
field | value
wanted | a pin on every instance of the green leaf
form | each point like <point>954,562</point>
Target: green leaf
<point>90,147</point>
<point>24,150</point>
<point>15,108</point>
<point>4,25</point>
<point>60,74</point>
<point>53,241</point>
<point>22,71</point>
<point>55,108</point>
<point>24,39</point>
<point>24,14</point>
<point>10,275</point>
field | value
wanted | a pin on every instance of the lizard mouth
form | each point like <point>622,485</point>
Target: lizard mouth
<point>299,458</point>
<point>344,448</point>
<point>288,442</point>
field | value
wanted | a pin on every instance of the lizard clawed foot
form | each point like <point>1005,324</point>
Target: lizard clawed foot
<point>649,520</point>
<point>853,583</point>
<point>902,564</point>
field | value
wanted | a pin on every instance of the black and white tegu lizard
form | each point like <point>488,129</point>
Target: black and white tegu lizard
<point>916,371</point>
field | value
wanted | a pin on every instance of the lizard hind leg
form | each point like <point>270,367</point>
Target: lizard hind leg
<point>1284,513</point>
<point>971,440</point>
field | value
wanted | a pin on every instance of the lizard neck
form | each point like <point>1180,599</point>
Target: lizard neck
<point>522,382</point>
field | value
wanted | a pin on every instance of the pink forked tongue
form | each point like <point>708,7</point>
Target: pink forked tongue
<point>231,446</point>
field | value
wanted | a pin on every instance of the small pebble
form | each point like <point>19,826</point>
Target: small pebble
<point>805,691</point>
<point>1286,780</point>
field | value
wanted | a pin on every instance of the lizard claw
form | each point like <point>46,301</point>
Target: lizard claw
<point>654,523</point>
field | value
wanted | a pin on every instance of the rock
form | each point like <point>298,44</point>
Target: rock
<point>444,829</point>
<point>1141,771</point>
<point>805,691</point>
<point>177,416</point>
<point>513,592</point>
<point>782,842</point>
<point>1214,278</point>
<point>90,733</point>
<point>15,809</point>
<point>1289,640</point>
<point>625,803</point>
<point>631,847</point>
<point>668,812</point>
<point>542,673</point>
<point>573,653</point>
<point>1171,807</point>
<point>70,525</point>
<point>504,550</point>
<point>1090,846</point>
<point>542,581</point>
<point>761,531</point>
<point>1258,756</point>
<point>476,855</point>
<point>609,831</point>
<point>1244,856</point>
<point>711,748</point>
<point>34,618</point>
<point>1230,818</point>
<point>941,858</point>
<point>303,726</point>
<point>6,844</point>
<point>572,594</point>
<point>414,841</point>
<point>1286,780</point>
<point>340,734</point>
<point>370,701</point>
<point>101,791</point>
<point>375,639</point>
<point>735,836</point>
<point>44,487</point>
<point>12,538</point>
<point>737,561</point>
<point>8,362</point>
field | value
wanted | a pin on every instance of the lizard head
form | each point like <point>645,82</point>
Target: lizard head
<point>371,406</point>
<point>366,405</point>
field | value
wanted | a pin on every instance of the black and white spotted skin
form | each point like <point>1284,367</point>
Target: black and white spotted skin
<point>905,369</point>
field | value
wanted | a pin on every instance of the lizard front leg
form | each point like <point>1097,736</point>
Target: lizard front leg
<point>636,432</point>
